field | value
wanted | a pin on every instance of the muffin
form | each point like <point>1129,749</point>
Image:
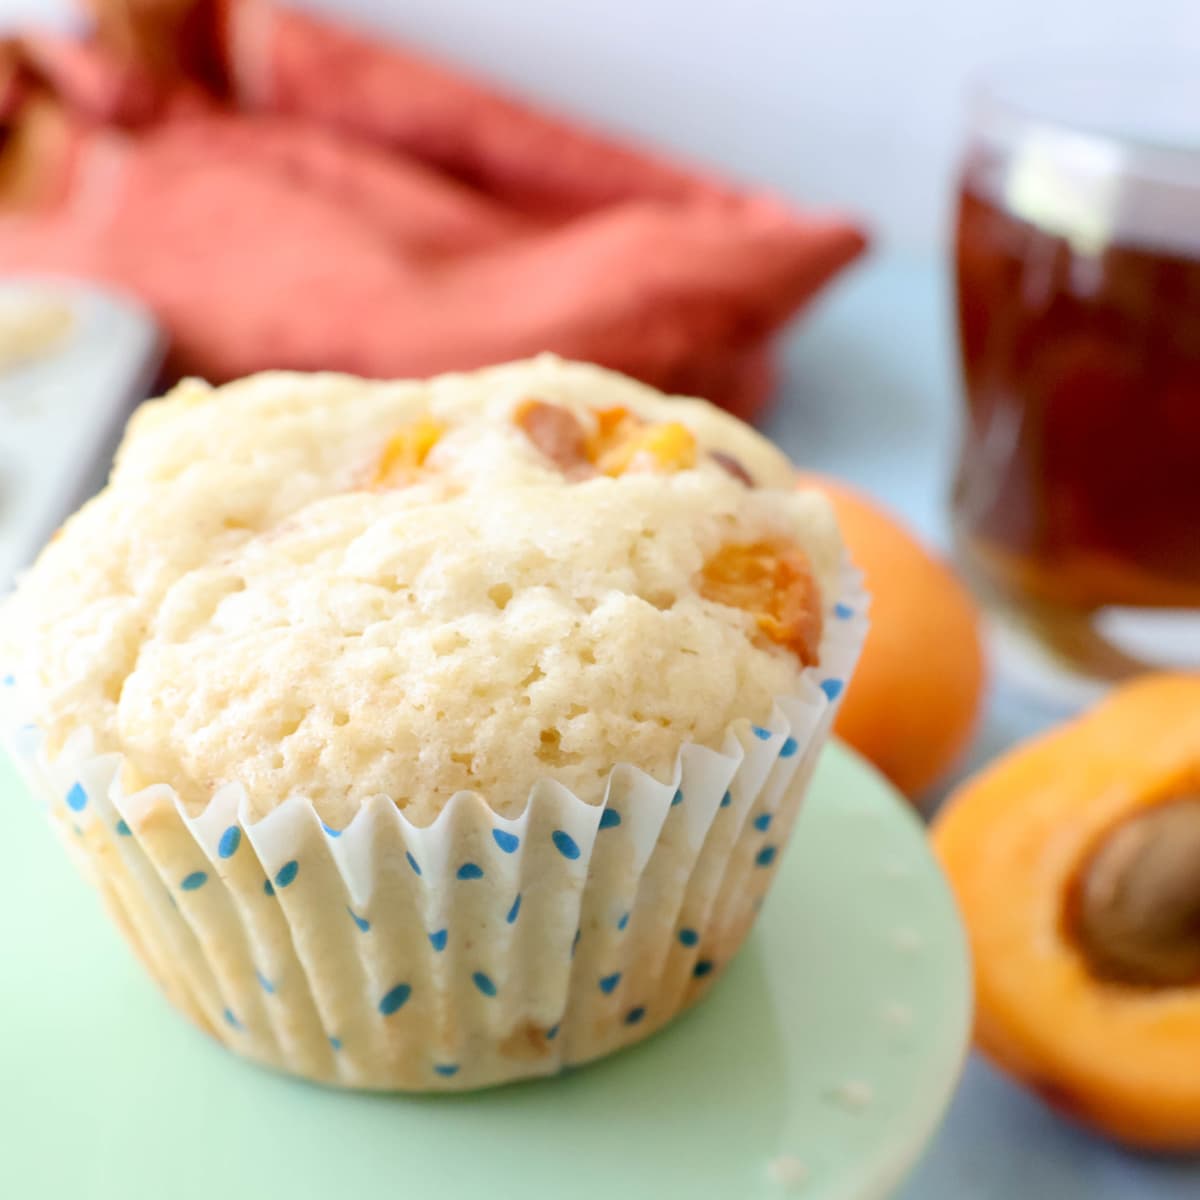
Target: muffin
<point>432,734</point>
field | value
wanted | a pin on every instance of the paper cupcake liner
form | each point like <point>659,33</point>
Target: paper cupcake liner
<point>472,951</point>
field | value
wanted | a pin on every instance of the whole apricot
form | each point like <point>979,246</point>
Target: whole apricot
<point>914,699</point>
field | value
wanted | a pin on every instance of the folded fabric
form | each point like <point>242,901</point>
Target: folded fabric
<point>284,193</point>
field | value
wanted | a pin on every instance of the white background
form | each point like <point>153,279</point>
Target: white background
<point>857,103</point>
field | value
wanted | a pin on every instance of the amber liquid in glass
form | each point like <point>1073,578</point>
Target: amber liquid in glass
<point>1079,480</point>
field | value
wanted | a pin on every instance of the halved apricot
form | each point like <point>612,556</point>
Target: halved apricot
<point>773,582</point>
<point>1076,863</point>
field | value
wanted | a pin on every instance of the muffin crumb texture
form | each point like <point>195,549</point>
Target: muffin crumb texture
<point>322,586</point>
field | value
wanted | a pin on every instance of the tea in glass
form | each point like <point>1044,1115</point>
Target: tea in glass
<point>1077,256</point>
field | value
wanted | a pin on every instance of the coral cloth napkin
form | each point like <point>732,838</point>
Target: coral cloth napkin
<point>284,193</point>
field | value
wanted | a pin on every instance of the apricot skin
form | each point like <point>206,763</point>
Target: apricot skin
<point>1124,1060</point>
<point>915,697</point>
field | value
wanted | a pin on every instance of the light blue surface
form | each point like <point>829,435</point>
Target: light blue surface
<point>869,393</point>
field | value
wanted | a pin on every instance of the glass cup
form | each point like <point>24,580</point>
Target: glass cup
<point>1076,503</point>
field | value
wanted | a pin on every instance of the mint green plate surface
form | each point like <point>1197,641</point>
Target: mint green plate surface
<point>818,1067</point>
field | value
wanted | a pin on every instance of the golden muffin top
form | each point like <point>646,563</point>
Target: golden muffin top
<point>331,587</point>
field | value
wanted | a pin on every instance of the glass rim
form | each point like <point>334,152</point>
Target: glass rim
<point>1116,103</point>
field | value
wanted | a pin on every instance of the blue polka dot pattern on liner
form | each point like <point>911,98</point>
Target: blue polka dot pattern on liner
<point>623,922</point>
<point>264,983</point>
<point>762,822</point>
<point>437,939</point>
<point>634,1015</point>
<point>412,862</point>
<point>394,1000</point>
<point>702,968</point>
<point>515,911</point>
<point>9,681</point>
<point>445,1070</point>
<point>608,984</point>
<point>197,879</point>
<point>231,1020</point>
<point>551,1033</point>
<point>832,688</point>
<point>677,798</point>
<point>336,1043</point>
<point>77,798</point>
<point>268,888</point>
<point>287,873</point>
<point>565,844</point>
<point>765,857</point>
<point>330,831</point>
<point>484,983</point>
<point>231,839</point>
<point>123,829</point>
<point>610,818</point>
<point>762,734</point>
<point>470,871</point>
<point>843,612</point>
<point>789,748</point>
<point>363,924</point>
<point>78,830</point>
<point>688,937</point>
<point>508,842</point>
<point>727,800</point>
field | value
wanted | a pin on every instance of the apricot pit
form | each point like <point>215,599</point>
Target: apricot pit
<point>1136,907</point>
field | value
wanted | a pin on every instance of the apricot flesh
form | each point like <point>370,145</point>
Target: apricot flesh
<point>669,446</point>
<point>556,432</point>
<point>774,583</point>
<point>620,442</point>
<point>405,452</point>
<point>1119,1055</point>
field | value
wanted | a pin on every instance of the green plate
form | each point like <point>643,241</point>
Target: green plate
<point>819,1066</point>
